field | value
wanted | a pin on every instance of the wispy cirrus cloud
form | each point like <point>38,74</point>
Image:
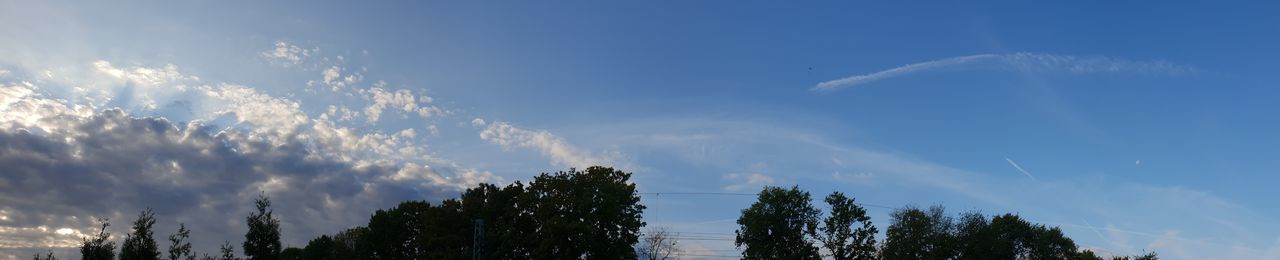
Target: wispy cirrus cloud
<point>557,149</point>
<point>1022,61</point>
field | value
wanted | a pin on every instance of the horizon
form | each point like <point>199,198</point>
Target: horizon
<point>1134,128</point>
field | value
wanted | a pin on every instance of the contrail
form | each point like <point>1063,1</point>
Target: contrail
<point>899,71</point>
<point>1015,166</point>
<point>1022,61</point>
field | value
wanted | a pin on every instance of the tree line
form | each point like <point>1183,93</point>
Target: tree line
<point>596,214</point>
<point>784,224</point>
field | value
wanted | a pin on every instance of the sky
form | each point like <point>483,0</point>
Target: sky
<point>1135,127</point>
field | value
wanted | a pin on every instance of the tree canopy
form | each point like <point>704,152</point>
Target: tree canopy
<point>778,226</point>
<point>596,214</point>
<point>99,247</point>
<point>141,244</point>
<point>262,241</point>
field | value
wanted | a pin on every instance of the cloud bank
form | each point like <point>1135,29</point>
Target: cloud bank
<point>67,162</point>
<point>1022,61</point>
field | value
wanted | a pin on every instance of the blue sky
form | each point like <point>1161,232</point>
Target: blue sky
<point>1133,126</point>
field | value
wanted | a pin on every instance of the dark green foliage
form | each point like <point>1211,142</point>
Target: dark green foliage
<point>508,225</point>
<point>292,253</point>
<point>918,234</point>
<point>141,244</point>
<point>446,232</point>
<point>228,251</point>
<point>839,234</point>
<point>1009,236</point>
<point>179,247</point>
<point>777,225</point>
<point>395,233</point>
<point>99,247</point>
<point>590,214</point>
<point>262,242</point>
<point>321,248</point>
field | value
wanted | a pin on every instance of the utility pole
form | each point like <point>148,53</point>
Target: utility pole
<point>477,240</point>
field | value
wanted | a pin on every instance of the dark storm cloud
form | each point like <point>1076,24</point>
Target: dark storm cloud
<point>111,164</point>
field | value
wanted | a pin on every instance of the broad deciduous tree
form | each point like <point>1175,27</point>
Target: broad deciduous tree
<point>918,234</point>
<point>658,244</point>
<point>847,231</point>
<point>777,226</point>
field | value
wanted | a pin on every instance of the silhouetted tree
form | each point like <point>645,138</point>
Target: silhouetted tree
<point>509,225</point>
<point>48,256</point>
<point>777,226</point>
<point>1089,255</point>
<point>918,234</point>
<point>179,247</point>
<point>395,233</point>
<point>589,214</point>
<point>839,235</point>
<point>262,242</point>
<point>99,247</point>
<point>292,253</point>
<point>351,244</point>
<point>657,244</point>
<point>228,251</point>
<point>320,248</point>
<point>445,232</point>
<point>141,244</point>
<point>974,238</point>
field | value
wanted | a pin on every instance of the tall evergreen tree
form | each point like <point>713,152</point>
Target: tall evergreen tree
<point>778,225</point>
<point>141,244</point>
<point>179,247</point>
<point>228,251</point>
<point>839,234</point>
<point>262,242</point>
<point>99,247</point>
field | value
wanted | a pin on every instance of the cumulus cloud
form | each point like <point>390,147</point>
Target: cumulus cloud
<point>286,54</point>
<point>402,100</point>
<point>66,163</point>
<point>1022,61</point>
<point>560,152</point>
<point>333,78</point>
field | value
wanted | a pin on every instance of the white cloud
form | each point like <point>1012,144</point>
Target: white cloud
<point>287,54</point>
<point>143,76</point>
<point>560,152</point>
<point>747,181</point>
<point>96,157</point>
<point>1022,61</point>
<point>333,77</point>
<point>399,100</point>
